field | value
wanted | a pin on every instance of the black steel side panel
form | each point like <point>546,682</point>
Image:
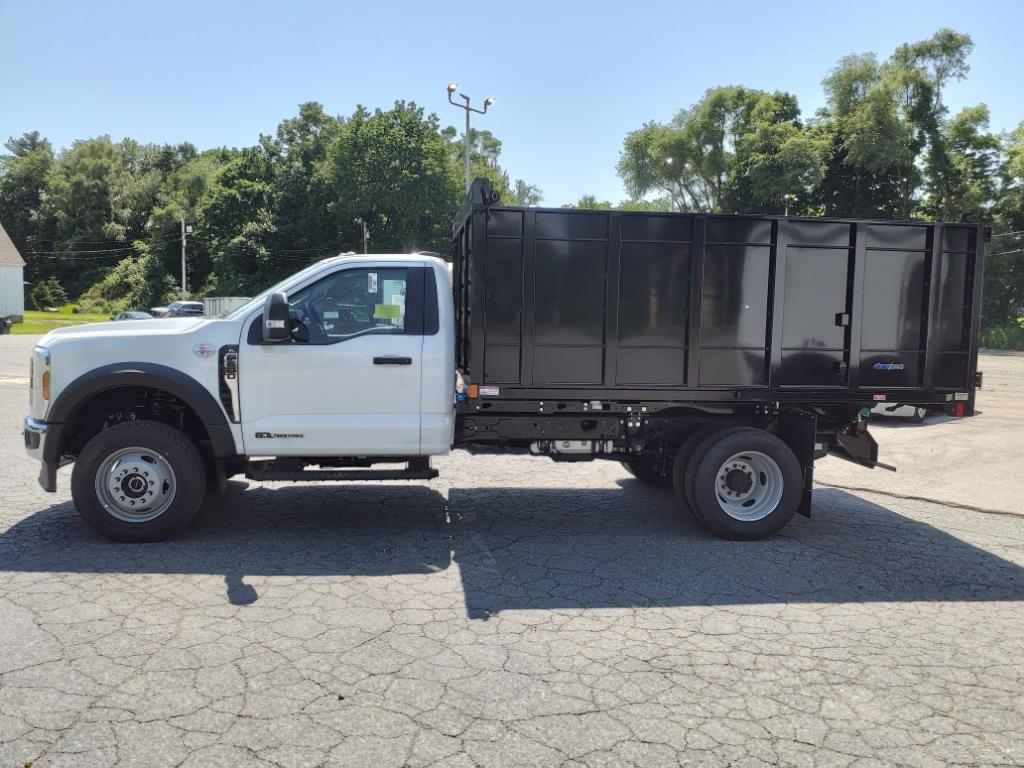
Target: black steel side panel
<point>675,307</point>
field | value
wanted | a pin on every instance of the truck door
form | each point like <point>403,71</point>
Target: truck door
<point>816,310</point>
<point>349,382</point>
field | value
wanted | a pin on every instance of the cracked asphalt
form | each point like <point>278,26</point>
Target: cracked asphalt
<point>514,612</point>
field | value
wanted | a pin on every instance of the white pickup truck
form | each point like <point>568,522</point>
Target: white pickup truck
<point>718,356</point>
<point>344,359</point>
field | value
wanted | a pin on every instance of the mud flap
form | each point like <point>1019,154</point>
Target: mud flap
<point>797,430</point>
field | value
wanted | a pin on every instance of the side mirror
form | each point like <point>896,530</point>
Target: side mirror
<point>277,323</point>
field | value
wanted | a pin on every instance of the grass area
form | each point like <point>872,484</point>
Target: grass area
<point>37,323</point>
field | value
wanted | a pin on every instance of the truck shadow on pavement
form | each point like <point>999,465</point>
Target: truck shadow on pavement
<point>546,548</point>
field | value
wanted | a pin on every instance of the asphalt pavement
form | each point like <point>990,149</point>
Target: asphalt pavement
<point>520,612</point>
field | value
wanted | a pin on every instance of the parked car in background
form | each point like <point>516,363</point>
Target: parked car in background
<point>913,412</point>
<point>132,316</point>
<point>180,309</point>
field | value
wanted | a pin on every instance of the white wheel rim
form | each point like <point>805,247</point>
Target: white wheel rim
<point>749,486</point>
<point>135,485</point>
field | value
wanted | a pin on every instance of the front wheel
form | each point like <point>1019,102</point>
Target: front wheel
<point>744,483</point>
<point>138,481</point>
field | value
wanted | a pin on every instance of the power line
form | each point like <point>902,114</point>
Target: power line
<point>1007,234</point>
<point>1006,253</point>
<point>96,242</point>
<point>251,249</point>
<point>70,252</point>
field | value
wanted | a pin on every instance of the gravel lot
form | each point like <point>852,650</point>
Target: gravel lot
<point>520,612</point>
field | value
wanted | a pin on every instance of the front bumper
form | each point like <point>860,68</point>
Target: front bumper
<point>35,437</point>
<point>35,433</point>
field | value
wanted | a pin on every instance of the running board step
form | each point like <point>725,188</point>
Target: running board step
<point>313,475</point>
<point>268,470</point>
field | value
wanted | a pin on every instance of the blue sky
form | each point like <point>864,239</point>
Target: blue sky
<point>570,79</point>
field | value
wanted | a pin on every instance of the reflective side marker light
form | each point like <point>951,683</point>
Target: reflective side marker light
<point>474,391</point>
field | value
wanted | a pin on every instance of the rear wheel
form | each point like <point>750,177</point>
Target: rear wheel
<point>744,483</point>
<point>919,415</point>
<point>138,481</point>
<point>649,471</point>
<point>682,461</point>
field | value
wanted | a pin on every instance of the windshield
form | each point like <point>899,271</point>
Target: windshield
<point>260,299</point>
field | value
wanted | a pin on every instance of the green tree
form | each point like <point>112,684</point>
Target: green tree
<point>393,170</point>
<point>891,149</point>
<point>302,189</point>
<point>972,165</point>
<point>47,293</point>
<point>236,220</point>
<point>137,282</point>
<point>182,195</point>
<point>484,151</point>
<point>735,148</point>
<point>523,194</point>
<point>869,153</point>
<point>24,174</point>
<point>590,203</point>
<point>1003,295</point>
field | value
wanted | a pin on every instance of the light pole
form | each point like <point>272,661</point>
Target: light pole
<point>452,88</point>
<point>673,188</point>
<point>366,233</point>
<point>185,232</point>
<point>788,200</point>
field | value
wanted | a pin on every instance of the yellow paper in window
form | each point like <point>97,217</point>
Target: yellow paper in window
<point>387,311</point>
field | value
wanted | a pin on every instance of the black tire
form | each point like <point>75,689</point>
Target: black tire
<point>170,445</point>
<point>919,415</point>
<point>702,482</point>
<point>646,471</point>
<point>682,461</point>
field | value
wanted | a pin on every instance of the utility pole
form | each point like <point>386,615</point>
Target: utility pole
<point>452,88</point>
<point>366,234</point>
<point>185,232</point>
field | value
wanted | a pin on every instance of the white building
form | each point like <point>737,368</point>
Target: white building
<point>12,283</point>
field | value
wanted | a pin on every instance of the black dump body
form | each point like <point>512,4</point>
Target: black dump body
<point>559,304</point>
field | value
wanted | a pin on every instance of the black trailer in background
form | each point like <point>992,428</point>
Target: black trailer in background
<point>629,331</point>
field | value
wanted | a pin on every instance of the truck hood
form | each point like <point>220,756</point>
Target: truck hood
<point>185,344</point>
<point>162,327</point>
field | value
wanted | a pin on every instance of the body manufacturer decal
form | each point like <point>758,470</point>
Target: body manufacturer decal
<point>277,435</point>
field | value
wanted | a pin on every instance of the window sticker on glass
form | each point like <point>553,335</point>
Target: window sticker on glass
<point>371,282</point>
<point>328,315</point>
<point>387,311</point>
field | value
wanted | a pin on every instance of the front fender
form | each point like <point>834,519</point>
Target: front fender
<point>151,375</point>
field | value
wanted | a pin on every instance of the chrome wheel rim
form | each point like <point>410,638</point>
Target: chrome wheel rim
<point>749,486</point>
<point>135,485</point>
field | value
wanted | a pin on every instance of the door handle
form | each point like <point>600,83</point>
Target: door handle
<point>392,361</point>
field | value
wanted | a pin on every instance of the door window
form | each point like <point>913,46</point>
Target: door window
<point>351,302</point>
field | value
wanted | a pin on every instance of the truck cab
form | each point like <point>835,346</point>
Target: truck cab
<point>358,367</point>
